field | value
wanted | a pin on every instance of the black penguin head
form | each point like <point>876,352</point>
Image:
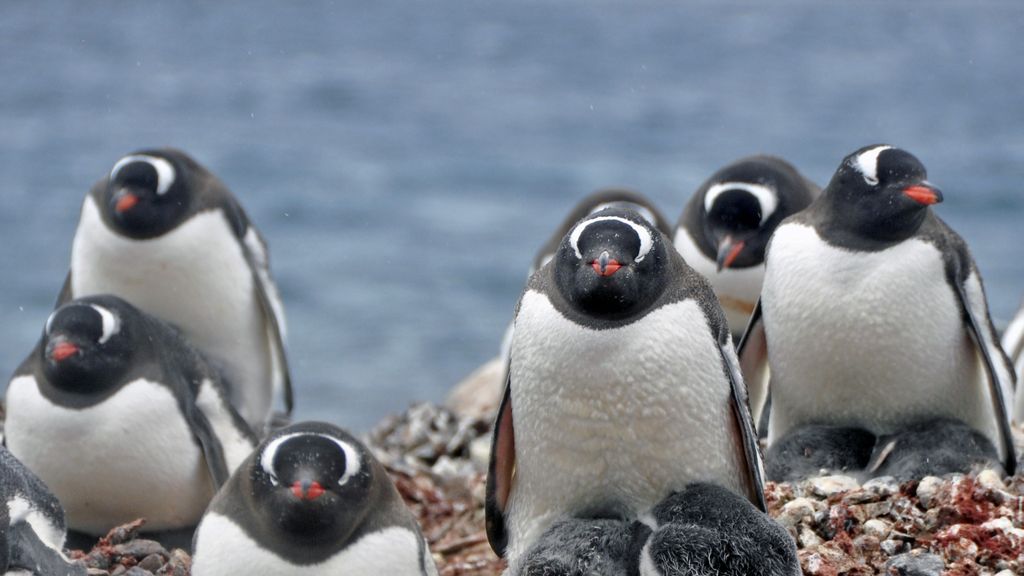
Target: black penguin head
<point>611,265</point>
<point>313,482</point>
<point>881,193</point>
<point>148,193</point>
<point>88,345</point>
<point>741,205</point>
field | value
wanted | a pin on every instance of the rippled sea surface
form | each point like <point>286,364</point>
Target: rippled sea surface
<point>404,159</point>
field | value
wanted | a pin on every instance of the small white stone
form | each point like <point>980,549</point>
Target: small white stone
<point>927,488</point>
<point>808,539</point>
<point>826,486</point>
<point>480,451</point>
<point>878,528</point>
<point>998,525</point>
<point>795,511</point>
<point>991,480</point>
<point>891,547</point>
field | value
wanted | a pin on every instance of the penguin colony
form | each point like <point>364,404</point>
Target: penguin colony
<point>626,435</point>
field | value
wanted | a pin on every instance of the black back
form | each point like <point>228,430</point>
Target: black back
<point>737,213</point>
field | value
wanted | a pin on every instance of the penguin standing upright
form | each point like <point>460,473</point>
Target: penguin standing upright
<point>164,233</point>
<point>1013,344</point>
<point>873,319</point>
<point>724,228</point>
<point>122,418</point>
<point>310,501</point>
<point>32,529</point>
<point>622,387</point>
<point>479,393</point>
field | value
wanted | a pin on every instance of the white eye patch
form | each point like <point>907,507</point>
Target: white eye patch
<point>642,234</point>
<point>641,210</point>
<point>352,462</point>
<point>765,196</point>
<point>164,171</point>
<point>111,325</point>
<point>49,322</point>
<point>867,163</point>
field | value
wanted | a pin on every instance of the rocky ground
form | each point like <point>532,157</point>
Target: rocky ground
<point>962,525</point>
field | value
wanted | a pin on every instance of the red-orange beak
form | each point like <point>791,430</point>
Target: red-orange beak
<point>923,193</point>
<point>728,252</point>
<point>605,265</point>
<point>63,351</point>
<point>126,202</point>
<point>307,490</point>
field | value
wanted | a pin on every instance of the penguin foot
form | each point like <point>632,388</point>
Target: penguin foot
<point>579,547</point>
<point>806,451</point>
<point>707,529</point>
<point>932,448</point>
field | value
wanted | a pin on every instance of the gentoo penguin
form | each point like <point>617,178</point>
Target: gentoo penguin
<point>122,418</point>
<point>618,347</point>
<point>164,233</point>
<point>873,314</point>
<point>32,529</point>
<point>1013,344</point>
<point>311,500</point>
<point>479,393</point>
<point>724,228</point>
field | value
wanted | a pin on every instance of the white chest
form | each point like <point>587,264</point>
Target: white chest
<point>195,277</point>
<point>866,338</point>
<point>614,420</point>
<point>130,456</point>
<point>737,288</point>
<point>224,549</point>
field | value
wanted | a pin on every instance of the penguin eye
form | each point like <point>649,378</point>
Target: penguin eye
<point>165,173</point>
<point>867,164</point>
<point>110,323</point>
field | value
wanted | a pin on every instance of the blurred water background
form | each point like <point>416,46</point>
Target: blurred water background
<point>406,158</point>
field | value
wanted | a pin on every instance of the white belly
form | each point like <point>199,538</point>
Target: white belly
<point>614,420</point>
<point>737,288</point>
<point>224,549</point>
<point>868,339</point>
<point>131,456</point>
<point>195,277</point>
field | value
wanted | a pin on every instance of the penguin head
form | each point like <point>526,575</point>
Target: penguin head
<point>148,193</point>
<point>87,345</point>
<point>881,192</point>
<point>612,264</point>
<point>312,481</point>
<point>735,212</point>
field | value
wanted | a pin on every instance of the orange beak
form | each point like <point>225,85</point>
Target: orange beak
<point>923,194</point>
<point>126,202</point>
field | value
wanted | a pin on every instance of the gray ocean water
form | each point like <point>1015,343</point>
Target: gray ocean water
<point>405,158</point>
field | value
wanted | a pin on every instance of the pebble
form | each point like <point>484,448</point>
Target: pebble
<point>991,480</point>
<point>878,528</point>
<point>927,489</point>
<point>891,547</point>
<point>796,510</point>
<point>808,539</point>
<point>915,563</point>
<point>827,486</point>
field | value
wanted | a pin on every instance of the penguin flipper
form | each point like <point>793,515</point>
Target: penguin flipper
<point>997,365</point>
<point>753,356</point>
<point>27,552</point>
<point>65,292</point>
<point>273,313</point>
<point>500,471</point>
<point>747,433</point>
<point>213,450</point>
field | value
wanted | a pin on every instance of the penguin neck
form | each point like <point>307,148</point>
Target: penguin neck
<point>863,230</point>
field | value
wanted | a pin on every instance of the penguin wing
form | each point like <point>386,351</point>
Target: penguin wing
<point>500,470</point>
<point>753,359</point>
<point>65,295</point>
<point>27,552</point>
<point>213,450</point>
<point>745,424</point>
<point>993,359</point>
<point>1013,337</point>
<point>256,254</point>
